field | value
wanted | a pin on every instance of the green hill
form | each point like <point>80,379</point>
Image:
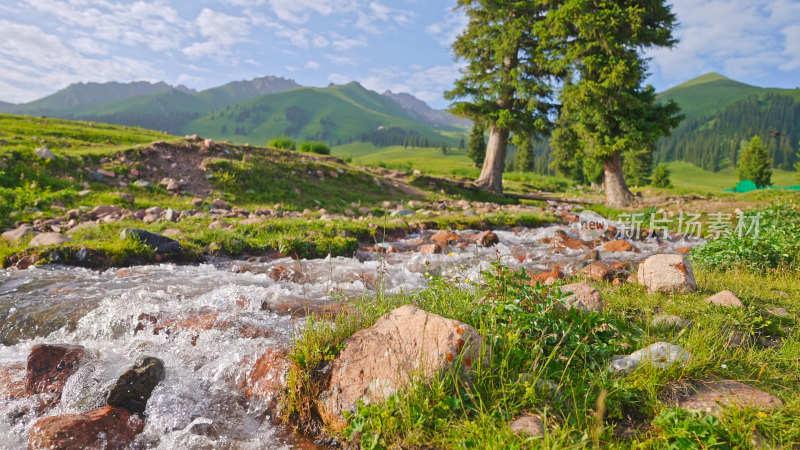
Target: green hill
<point>6,107</point>
<point>712,92</point>
<point>74,96</point>
<point>239,91</point>
<point>721,113</point>
<point>337,114</point>
<point>167,111</point>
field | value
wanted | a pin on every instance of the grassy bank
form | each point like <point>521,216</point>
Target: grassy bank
<point>553,364</point>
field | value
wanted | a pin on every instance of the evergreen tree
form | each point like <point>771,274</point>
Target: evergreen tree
<point>603,99</point>
<point>476,150</point>
<point>755,164</point>
<point>661,177</point>
<point>506,83</point>
<point>444,148</point>
<point>636,166</point>
<point>461,144</point>
<point>523,159</point>
<point>797,166</point>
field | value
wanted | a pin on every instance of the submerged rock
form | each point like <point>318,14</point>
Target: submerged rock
<point>157,242</point>
<point>667,274</point>
<point>135,385</point>
<point>106,427</point>
<point>379,361</point>
<point>49,366</point>
<point>661,355</point>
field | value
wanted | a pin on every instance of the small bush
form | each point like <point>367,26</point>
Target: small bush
<point>317,147</point>
<point>775,247</point>
<point>661,177</point>
<point>284,143</point>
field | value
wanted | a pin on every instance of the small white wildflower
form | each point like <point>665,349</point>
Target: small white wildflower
<point>724,366</point>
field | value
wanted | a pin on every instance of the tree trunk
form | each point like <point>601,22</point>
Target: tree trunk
<point>617,193</point>
<point>491,178</point>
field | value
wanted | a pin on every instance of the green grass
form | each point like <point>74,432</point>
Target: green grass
<point>531,341</point>
<point>428,160</point>
<point>688,176</point>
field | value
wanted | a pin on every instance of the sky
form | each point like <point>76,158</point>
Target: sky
<point>397,45</point>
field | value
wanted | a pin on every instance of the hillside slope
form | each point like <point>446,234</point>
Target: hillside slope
<point>66,100</point>
<point>336,114</point>
<point>712,92</point>
<point>722,113</point>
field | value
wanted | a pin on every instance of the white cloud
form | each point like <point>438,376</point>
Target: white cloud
<point>312,65</point>
<point>340,60</point>
<point>446,31</point>
<point>426,84</point>
<point>34,63</point>
<point>743,38</point>
<point>140,23</point>
<point>221,32</point>
<point>343,43</point>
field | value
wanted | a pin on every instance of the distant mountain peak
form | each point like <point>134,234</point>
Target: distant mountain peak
<point>420,110</point>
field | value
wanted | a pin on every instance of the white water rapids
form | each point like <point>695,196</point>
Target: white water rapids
<point>101,311</point>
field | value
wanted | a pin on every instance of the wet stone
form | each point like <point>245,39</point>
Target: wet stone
<point>134,386</point>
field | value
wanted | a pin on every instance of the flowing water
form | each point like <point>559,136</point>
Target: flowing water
<point>102,311</point>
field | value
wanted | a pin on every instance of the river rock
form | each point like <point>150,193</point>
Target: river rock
<point>583,297</point>
<point>45,153</point>
<point>376,362</point>
<point>430,249</point>
<point>45,239</point>
<point>660,355</point>
<point>618,246</point>
<point>12,381</point>
<point>547,277</point>
<point>528,424</point>
<point>599,271</point>
<point>18,233</point>
<point>134,386</point>
<point>485,239</point>
<point>668,274</point>
<point>725,298</point>
<point>107,427</point>
<point>157,242</point>
<point>144,184</point>
<point>562,240</point>
<point>266,379</point>
<point>712,396</point>
<point>444,238</point>
<point>49,366</point>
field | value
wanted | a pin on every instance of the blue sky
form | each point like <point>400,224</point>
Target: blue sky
<point>398,45</point>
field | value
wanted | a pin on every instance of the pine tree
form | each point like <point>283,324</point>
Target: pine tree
<point>755,164</point>
<point>461,144</point>
<point>506,82</point>
<point>444,148</point>
<point>797,165</point>
<point>523,160</point>
<point>476,150</point>
<point>603,99</point>
<point>661,177</point>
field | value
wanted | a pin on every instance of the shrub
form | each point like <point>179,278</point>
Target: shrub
<point>317,147</point>
<point>284,143</point>
<point>661,177</point>
<point>775,247</point>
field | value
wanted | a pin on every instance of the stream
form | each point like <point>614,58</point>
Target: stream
<point>115,313</point>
